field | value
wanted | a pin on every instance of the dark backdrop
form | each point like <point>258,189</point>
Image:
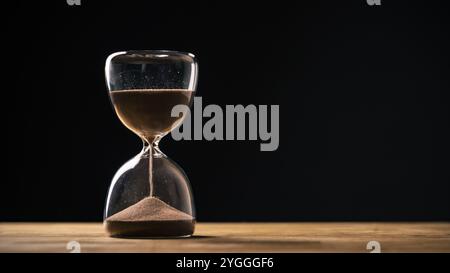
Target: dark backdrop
<point>363,95</point>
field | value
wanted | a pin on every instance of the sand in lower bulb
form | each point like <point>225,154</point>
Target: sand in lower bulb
<point>150,217</point>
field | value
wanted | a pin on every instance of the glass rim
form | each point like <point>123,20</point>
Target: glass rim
<point>156,52</point>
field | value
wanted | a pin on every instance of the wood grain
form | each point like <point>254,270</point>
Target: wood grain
<point>234,237</point>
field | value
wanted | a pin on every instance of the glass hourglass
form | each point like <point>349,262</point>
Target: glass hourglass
<point>150,195</point>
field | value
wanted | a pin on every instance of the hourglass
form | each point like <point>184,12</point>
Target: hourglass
<point>150,195</point>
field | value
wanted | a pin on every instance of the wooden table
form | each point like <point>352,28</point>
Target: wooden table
<point>234,237</point>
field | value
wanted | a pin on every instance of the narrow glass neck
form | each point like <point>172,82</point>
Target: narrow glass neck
<point>152,149</point>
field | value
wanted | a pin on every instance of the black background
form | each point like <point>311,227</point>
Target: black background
<point>363,95</point>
